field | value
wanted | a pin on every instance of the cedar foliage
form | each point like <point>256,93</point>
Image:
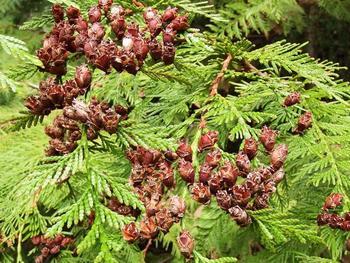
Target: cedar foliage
<point>53,195</point>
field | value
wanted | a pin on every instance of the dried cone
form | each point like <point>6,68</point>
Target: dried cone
<point>304,122</point>
<point>261,201</point>
<point>208,140</point>
<point>250,148</point>
<point>177,206</point>
<point>130,232</point>
<point>224,199</point>
<point>201,193</point>
<point>94,14</point>
<point>205,173</point>
<point>345,226</point>
<point>83,77</point>
<point>332,201</point>
<point>186,244</point>
<point>36,240</point>
<point>184,150</point>
<point>243,163</point>
<point>323,219</point>
<point>241,194</point>
<point>105,4</point>
<point>292,99</point>
<point>180,23</point>
<point>268,138</point>
<point>169,14</point>
<point>213,158</point>
<point>164,219</point>
<point>186,171</point>
<point>240,216</point>
<point>57,13</point>
<point>215,183</point>
<point>278,156</point>
<point>229,173</point>
<point>148,228</point>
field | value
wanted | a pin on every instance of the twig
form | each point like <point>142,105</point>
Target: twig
<point>220,76</point>
<point>147,247</point>
<point>251,68</point>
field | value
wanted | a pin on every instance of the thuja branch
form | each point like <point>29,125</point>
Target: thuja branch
<point>215,84</point>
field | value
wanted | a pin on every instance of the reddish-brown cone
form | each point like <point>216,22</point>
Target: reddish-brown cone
<point>278,156</point>
<point>268,138</point>
<point>304,122</point>
<point>250,148</point>
<point>208,140</point>
<point>130,232</point>
<point>292,99</point>
<point>186,171</point>
<point>186,244</point>
<point>201,193</point>
<point>332,201</point>
<point>148,228</point>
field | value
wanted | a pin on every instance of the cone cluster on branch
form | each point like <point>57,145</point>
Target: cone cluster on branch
<point>334,220</point>
<point>218,177</point>
<point>151,173</point>
<point>50,246</point>
<point>127,51</point>
<point>56,96</point>
<point>65,130</point>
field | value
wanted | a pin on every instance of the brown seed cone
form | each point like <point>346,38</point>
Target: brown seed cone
<point>268,138</point>
<point>57,13</point>
<point>36,240</point>
<point>201,193</point>
<point>205,173</point>
<point>169,51</point>
<point>169,36</point>
<point>72,14</point>
<point>105,5</point>
<point>224,199</point>
<point>164,219</point>
<point>94,14</point>
<point>66,241</point>
<point>179,23</point>
<point>177,206</point>
<point>229,173</point>
<point>36,106</point>
<point>345,226</point>
<point>148,228</point>
<point>54,132</point>
<point>261,201</point>
<point>292,99</point>
<point>130,232</point>
<point>45,252</point>
<point>332,201</point>
<point>96,32</point>
<point>186,171</point>
<point>148,157</point>
<point>215,182</point>
<point>208,140</point>
<point>156,49</point>
<point>278,156</point>
<point>83,77</point>
<point>304,122</point>
<point>243,163</point>
<point>241,194</point>
<point>323,219</point>
<point>213,158</point>
<point>152,206</point>
<point>169,14</point>
<point>184,150</point>
<point>240,216</point>
<point>278,176</point>
<point>186,244</point>
<point>150,14</point>
<point>55,250</point>
<point>116,12</point>
<point>250,148</point>
<point>118,26</point>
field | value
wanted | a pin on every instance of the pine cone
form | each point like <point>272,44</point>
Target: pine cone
<point>268,138</point>
<point>205,173</point>
<point>94,14</point>
<point>332,201</point>
<point>304,122</point>
<point>177,206</point>
<point>148,228</point>
<point>96,32</point>
<point>215,183</point>
<point>118,26</point>
<point>201,193</point>
<point>169,14</point>
<point>278,156</point>
<point>213,158</point>
<point>83,77</point>
<point>57,13</point>
<point>224,199</point>
<point>164,219</point>
<point>169,36</point>
<point>186,244</point>
<point>278,176</point>
<point>186,171</point>
<point>179,23</point>
<point>73,14</point>
<point>208,140</point>
<point>130,232</point>
<point>240,216</point>
<point>184,150</point>
<point>243,163</point>
<point>292,99</point>
<point>229,173</point>
<point>241,194</point>
<point>261,201</point>
<point>250,148</point>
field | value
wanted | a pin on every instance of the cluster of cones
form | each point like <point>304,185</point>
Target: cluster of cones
<point>151,173</point>
<point>334,220</point>
<point>65,130</point>
<point>218,178</point>
<point>75,34</point>
<point>50,246</point>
